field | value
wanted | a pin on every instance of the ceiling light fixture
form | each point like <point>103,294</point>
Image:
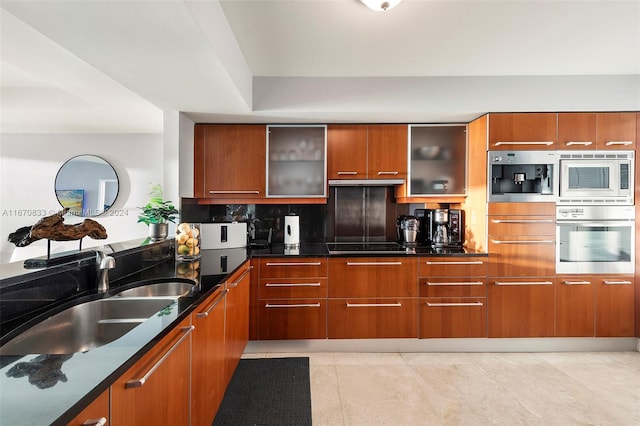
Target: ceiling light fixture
<point>381,5</point>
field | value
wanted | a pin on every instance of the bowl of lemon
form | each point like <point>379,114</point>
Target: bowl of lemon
<point>188,241</point>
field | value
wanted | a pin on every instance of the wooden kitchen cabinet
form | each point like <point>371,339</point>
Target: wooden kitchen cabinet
<point>575,306</point>
<point>236,318</point>
<point>96,413</point>
<point>367,151</point>
<point>614,305</point>
<point>522,131</point>
<point>293,298</point>
<point>156,389</point>
<point>372,297</point>
<point>229,162</point>
<point>597,131</point>
<point>208,358</point>
<point>453,299</point>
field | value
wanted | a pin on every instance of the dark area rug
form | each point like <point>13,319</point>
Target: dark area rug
<point>267,391</point>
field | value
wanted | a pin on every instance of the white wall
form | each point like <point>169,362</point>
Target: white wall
<point>28,167</point>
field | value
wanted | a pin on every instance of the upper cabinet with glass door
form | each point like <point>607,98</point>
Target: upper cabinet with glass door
<point>437,160</point>
<point>296,161</point>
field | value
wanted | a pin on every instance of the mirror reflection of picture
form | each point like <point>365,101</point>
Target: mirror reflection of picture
<point>73,199</point>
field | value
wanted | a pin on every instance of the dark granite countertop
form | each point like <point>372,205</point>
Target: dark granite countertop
<point>52,389</point>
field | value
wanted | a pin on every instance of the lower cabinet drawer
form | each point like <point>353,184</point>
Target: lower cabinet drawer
<point>373,318</point>
<point>453,317</point>
<point>293,319</point>
<point>293,288</point>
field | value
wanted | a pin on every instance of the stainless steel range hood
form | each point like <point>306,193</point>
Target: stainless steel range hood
<point>365,182</point>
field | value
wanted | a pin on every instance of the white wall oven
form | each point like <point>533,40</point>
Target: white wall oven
<point>596,177</point>
<point>595,239</point>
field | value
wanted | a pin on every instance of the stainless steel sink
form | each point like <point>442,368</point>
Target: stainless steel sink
<point>85,326</point>
<point>162,289</point>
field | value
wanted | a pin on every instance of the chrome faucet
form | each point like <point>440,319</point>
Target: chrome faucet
<point>104,263</point>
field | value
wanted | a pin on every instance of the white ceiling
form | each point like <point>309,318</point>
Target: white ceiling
<point>113,66</point>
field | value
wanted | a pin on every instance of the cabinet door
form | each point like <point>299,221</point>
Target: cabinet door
<point>347,151</point>
<point>207,359</point>
<point>513,256</point>
<point>372,277</point>
<point>296,161</point>
<point>575,306</point>
<point>155,391</point>
<point>453,317</point>
<point>438,160</point>
<point>293,267</point>
<point>453,267</point>
<point>521,307</point>
<point>576,130</point>
<point>451,287</point>
<point>522,131</point>
<point>614,306</point>
<point>96,413</point>
<point>292,288</point>
<point>237,319</point>
<point>616,130</point>
<point>387,151</point>
<point>293,319</point>
<point>230,161</point>
<point>373,318</point>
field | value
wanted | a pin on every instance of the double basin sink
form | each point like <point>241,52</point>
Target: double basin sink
<point>95,323</point>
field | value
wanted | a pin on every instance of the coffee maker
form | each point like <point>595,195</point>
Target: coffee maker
<point>441,228</point>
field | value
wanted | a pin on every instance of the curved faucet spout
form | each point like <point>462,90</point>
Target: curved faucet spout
<point>104,263</point>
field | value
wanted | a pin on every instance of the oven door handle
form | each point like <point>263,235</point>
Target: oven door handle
<point>591,224</point>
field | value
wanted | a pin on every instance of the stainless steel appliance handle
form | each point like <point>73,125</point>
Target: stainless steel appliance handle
<point>293,263</point>
<point>455,304</point>
<point>214,192</point>
<point>137,383</point>
<point>522,220</point>
<point>567,282</point>
<point>373,305</point>
<point>625,143</point>
<point>591,224</point>
<point>523,282</point>
<point>394,173</point>
<point>547,143</point>
<point>523,241</point>
<point>298,305</point>
<point>613,282</point>
<point>244,274</point>
<point>213,305</point>
<point>461,262</point>
<point>373,263</point>
<point>292,285</point>
<point>456,283</point>
<point>585,143</point>
<point>347,173</point>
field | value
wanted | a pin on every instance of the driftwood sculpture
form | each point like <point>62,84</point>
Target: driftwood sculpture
<point>53,228</point>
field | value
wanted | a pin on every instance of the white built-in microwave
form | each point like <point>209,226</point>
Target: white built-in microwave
<point>596,177</point>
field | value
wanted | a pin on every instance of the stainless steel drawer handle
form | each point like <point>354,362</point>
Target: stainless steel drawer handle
<point>299,305</point>
<point>528,221</point>
<point>394,173</point>
<point>213,305</point>
<point>610,143</point>
<point>576,282</point>
<point>585,143</point>
<point>524,283</point>
<point>244,274</point>
<point>547,143</point>
<point>523,242</point>
<point>293,263</point>
<point>466,262</point>
<point>455,304</point>
<point>292,285</point>
<point>95,422</point>
<point>137,383</point>
<point>456,283</point>
<point>373,263</point>
<point>233,192</point>
<point>373,305</point>
<point>612,282</point>
<point>348,173</point>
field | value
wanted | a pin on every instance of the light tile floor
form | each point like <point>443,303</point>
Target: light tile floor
<point>573,388</point>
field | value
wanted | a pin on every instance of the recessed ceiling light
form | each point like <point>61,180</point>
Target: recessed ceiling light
<point>381,5</point>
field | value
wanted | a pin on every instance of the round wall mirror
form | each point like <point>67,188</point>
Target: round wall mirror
<point>87,185</point>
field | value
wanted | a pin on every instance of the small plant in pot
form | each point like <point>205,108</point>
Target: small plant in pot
<point>157,214</point>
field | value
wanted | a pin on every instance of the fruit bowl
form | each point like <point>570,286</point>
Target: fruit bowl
<point>188,241</point>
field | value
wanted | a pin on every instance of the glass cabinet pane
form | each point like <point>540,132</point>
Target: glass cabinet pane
<point>437,160</point>
<point>296,161</point>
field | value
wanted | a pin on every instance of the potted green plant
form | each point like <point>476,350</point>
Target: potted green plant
<point>157,214</point>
